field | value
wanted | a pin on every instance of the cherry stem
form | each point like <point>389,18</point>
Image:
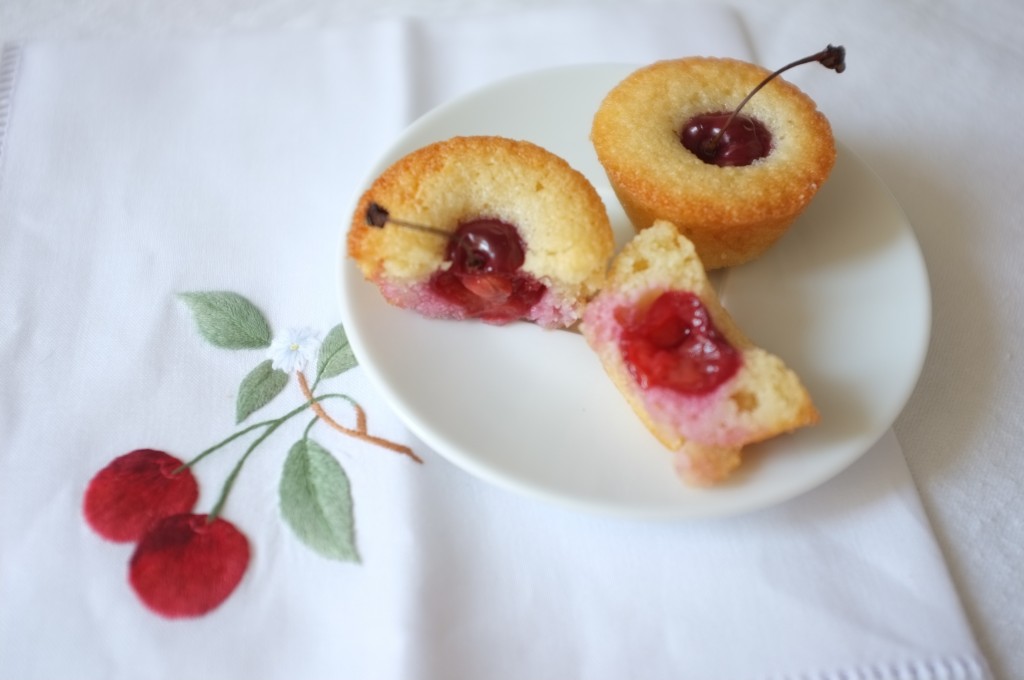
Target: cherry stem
<point>230,481</point>
<point>377,216</point>
<point>305,433</point>
<point>360,432</point>
<point>272,425</point>
<point>312,402</point>
<point>224,442</point>
<point>832,57</point>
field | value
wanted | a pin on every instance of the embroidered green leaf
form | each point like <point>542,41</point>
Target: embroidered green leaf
<point>336,355</point>
<point>228,320</point>
<point>316,501</point>
<point>257,389</point>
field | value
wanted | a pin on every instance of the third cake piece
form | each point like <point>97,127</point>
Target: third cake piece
<point>483,227</point>
<point>686,141</point>
<point>691,375</point>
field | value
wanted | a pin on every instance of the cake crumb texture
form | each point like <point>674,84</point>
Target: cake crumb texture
<point>706,432</point>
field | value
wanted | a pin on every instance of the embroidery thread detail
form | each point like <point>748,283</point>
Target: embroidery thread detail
<point>185,563</point>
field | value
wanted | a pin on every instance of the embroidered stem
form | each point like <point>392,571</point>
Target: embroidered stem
<point>360,433</point>
<point>305,433</point>
<point>271,425</point>
<point>275,422</point>
<point>360,413</point>
<point>230,481</point>
<point>322,414</point>
<point>238,434</point>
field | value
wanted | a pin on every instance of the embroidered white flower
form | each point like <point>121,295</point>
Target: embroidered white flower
<point>294,350</point>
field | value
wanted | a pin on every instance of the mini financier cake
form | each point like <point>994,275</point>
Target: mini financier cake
<point>733,196</point>
<point>694,379</point>
<point>513,233</point>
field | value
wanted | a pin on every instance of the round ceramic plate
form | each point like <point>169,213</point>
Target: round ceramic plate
<point>843,298</point>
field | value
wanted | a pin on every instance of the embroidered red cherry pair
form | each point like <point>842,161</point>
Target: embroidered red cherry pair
<point>184,565</point>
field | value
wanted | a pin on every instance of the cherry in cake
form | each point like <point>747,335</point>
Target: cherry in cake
<point>483,228</point>
<point>481,273</point>
<point>741,140</point>
<point>687,141</point>
<point>732,138</point>
<point>485,277</point>
<point>691,375</point>
<point>673,343</point>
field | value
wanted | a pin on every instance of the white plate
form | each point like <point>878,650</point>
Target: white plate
<point>843,299</point>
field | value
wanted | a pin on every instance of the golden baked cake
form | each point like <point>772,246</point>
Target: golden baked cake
<point>695,380</point>
<point>513,232</point>
<point>735,203</point>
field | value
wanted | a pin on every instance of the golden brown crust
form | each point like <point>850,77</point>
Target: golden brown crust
<point>559,215</point>
<point>731,214</point>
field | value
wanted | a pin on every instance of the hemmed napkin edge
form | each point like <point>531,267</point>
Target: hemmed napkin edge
<point>955,667</point>
<point>10,60</point>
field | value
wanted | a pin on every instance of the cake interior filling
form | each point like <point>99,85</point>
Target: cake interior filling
<point>716,140</point>
<point>483,275</point>
<point>673,343</point>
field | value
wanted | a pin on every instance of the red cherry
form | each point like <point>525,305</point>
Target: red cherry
<point>741,141</point>
<point>186,566</point>
<point>485,246</point>
<point>675,344</point>
<point>135,489</point>
<point>484,277</point>
<point>726,139</point>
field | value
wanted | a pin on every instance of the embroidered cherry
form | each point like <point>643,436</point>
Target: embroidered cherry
<point>185,565</point>
<point>134,490</point>
<point>675,344</point>
<point>731,139</point>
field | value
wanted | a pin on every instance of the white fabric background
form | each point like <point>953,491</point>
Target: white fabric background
<point>959,195</point>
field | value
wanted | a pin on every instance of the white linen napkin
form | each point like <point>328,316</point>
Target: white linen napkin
<point>131,173</point>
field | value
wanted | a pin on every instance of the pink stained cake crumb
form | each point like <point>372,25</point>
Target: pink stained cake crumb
<point>699,417</point>
<point>549,312</point>
<point>695,380</point>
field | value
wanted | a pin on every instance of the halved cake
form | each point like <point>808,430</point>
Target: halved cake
<point>694,379</point>
<point>513,232</point>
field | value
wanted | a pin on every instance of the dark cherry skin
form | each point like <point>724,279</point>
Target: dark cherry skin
<point>742,142</point>
<point>485,246</point>
<point>484,277</point>
<point>675,344</point>
<point>744,139</point>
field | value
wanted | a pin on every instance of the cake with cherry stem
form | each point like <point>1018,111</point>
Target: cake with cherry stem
<point>485,228</point>
<point>701,387</point>
<point>686,140</point>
